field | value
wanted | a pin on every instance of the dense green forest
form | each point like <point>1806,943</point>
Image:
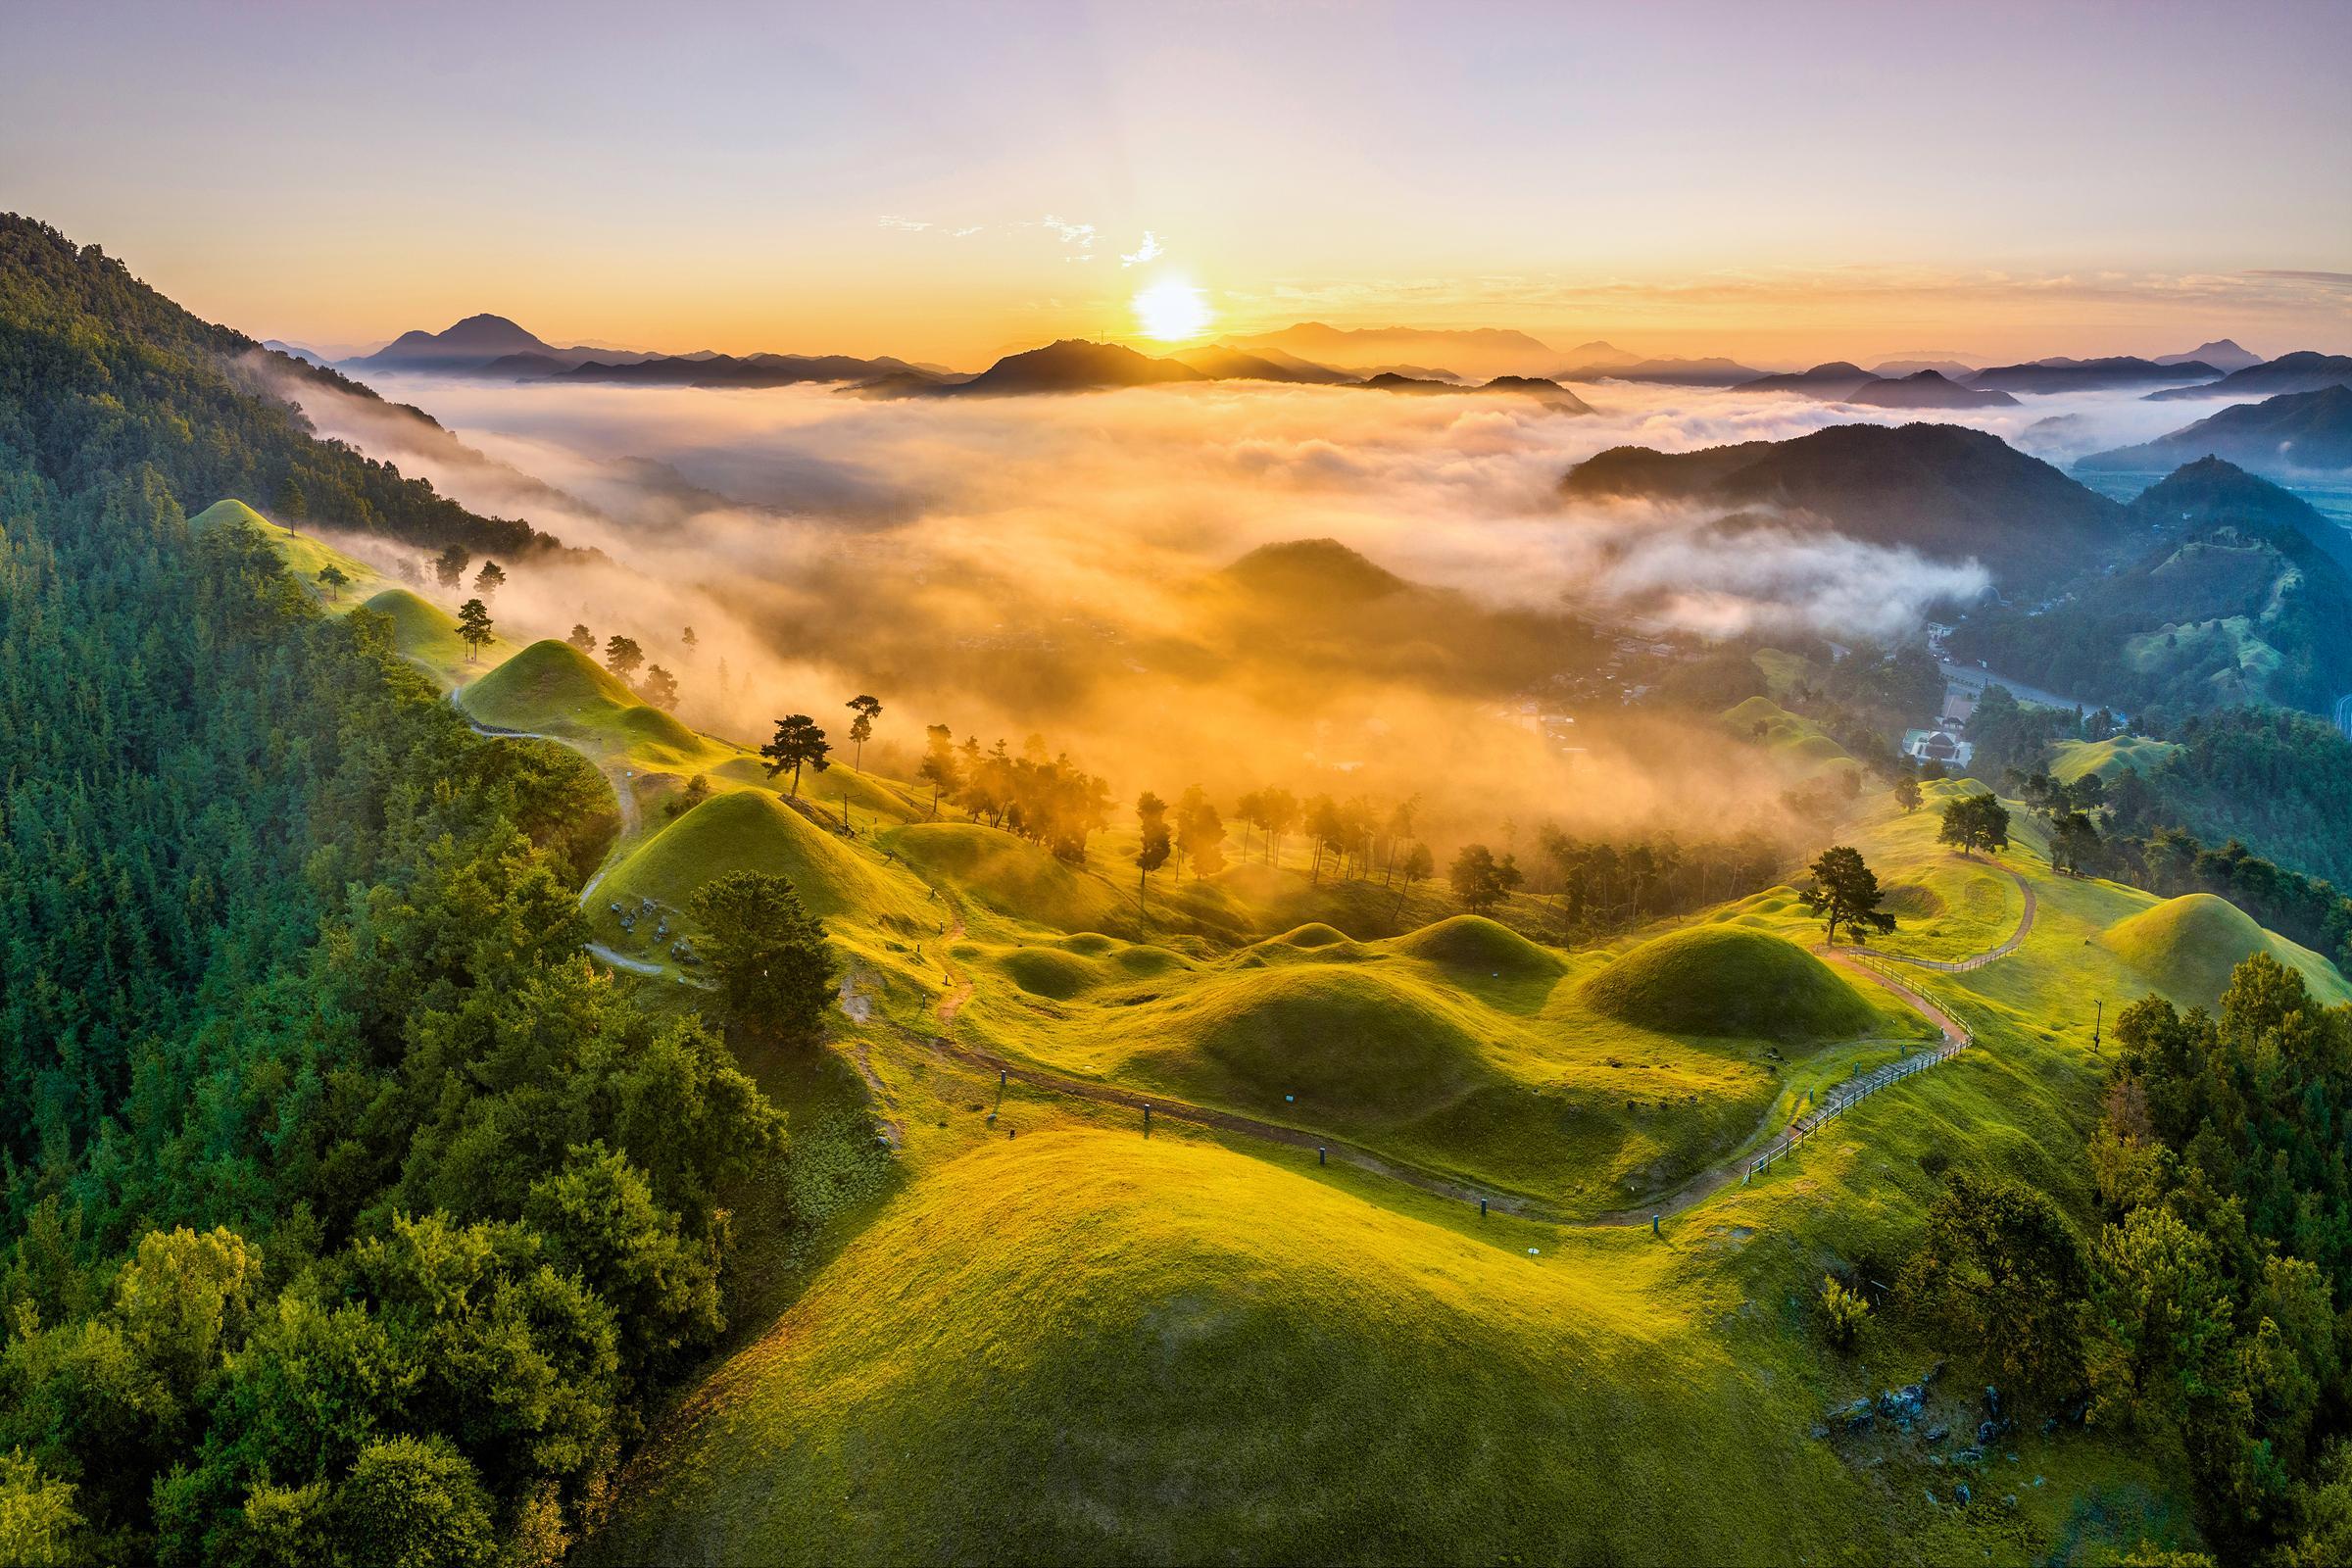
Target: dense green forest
<point>352,1215</point>
<point>99,373</point>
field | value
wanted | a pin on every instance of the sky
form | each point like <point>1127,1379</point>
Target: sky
<point>949,182</point>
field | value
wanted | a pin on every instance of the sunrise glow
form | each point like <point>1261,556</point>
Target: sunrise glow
<point>1172,311</point>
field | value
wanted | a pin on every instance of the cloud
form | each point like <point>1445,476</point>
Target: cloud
<point>1081,235</point>
<point>913,225</point>
<point>1149,250</point>
<point>1011,566</point>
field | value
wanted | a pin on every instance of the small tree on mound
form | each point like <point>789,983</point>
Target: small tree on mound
<point>940,769</point>
<point>774,968</point>
<point>1845,892</point>
<point>1907,794</point>
<point>660,688</point>
<point>474,627</point>
<point>1418,866</point>
<point>1974,823</point>
<point>448,566</point>
<point>1151,852</point>
<point>623,656</point>
<point>1480,880</point>
<point>799,743</point>
<point>862,727</point>
<point>332,578</point>
<point>1201,832</point>
<point>583,639</point>
<point>490,579</point>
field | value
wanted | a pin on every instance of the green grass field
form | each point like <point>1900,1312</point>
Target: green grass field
<point>2109,757</point>
<point>1027,1331</point>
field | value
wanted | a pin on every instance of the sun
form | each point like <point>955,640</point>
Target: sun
<point>1171,310</point>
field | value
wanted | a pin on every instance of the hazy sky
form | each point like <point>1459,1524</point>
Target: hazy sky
<point>1785,181</point>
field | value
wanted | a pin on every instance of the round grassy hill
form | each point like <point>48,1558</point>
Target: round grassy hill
<point>1724,980</point>
<point>1086,1347</point>
<point>1352,1040</point>
<point>750,830</point>
<point>552,688</point>
<point>1477,946</point>
<point>1012,876</point>
<point>2187,945</point>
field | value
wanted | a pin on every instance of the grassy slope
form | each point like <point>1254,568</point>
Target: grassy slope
<point>2186,947</point>
<point>2071,760</point>
<point>1077,1344</point>
<point>1797,744</point>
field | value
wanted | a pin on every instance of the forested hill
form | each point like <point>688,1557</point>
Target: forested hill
<point>98,371</point>
<point>347,1212</point>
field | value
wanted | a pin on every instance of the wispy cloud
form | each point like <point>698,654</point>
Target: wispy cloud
<point>913,225</point>
<point>1149,249</point>
<point>966,232</point>
<point>1078,236</point>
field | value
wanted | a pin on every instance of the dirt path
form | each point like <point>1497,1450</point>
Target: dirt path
<point>1700,1187</point>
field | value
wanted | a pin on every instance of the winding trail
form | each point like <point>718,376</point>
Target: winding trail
<point>1713,1179</point>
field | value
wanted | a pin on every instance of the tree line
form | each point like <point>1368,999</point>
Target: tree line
<point>350,1211</point>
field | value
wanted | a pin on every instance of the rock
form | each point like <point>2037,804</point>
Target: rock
<point>1819,1431</point>
<point>1960,1490</point>
<point>1969,1456</point>
<point>1936,1434</point>
<point>2009,1499</point>
<point>1987,1431</point>
<point>1993,1401</point>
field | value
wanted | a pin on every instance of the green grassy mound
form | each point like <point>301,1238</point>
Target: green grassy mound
<point>1313,934</point>
<point>1797,743</point>
<point>305,555</point>
<point>426,634</point>
<point>1478,945</point>
<point>2187,945</point>
<point>744,830</point>
<point>1052,972</point>
<point>2071,760</point>
<point>552,688</point>
<point>1722,980</point>
<point>1012,876</point>
<point>1352,1042</point>
<point>1085,1347</point>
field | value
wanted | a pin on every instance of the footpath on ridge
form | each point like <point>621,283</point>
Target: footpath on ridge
<point>1707,1182</point>
<point>1700,1187</point>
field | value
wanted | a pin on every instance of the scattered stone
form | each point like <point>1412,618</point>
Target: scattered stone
<point>1969,1456</point>
<point>1936,1434</point>
<point>1987,1431</point>
<point>1819,1431</point>
<point>2009,1499</point>
<point>1960,1490</point>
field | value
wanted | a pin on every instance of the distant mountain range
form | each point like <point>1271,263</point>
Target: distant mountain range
<point>2044,378</point>
<point>2293,434</point>
<point>476,343</point>
<point>1663,371</point>
<point>713,369</point>
<point>1077,365</point>
<point>1926,389</point>
<point>2222,354</point>
<point>2301,371</point>
<point>1842,381</point>
<point>1479,351</point>
<point>1945,491</point>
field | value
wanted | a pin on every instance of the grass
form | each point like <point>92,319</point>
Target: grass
<point>1075,1344</point>
<point>1716,980</point>
<point>1081,1346</point>
<point>2186,947</point>
<point>2072,760</point>
<point>551,688</point>
<point>1799,745</point>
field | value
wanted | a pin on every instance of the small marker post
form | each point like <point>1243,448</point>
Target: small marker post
<point>1653,1224</point>
<point>1322,1154</point>
<point>1482,1208</point>
<point>1146,1121</point>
